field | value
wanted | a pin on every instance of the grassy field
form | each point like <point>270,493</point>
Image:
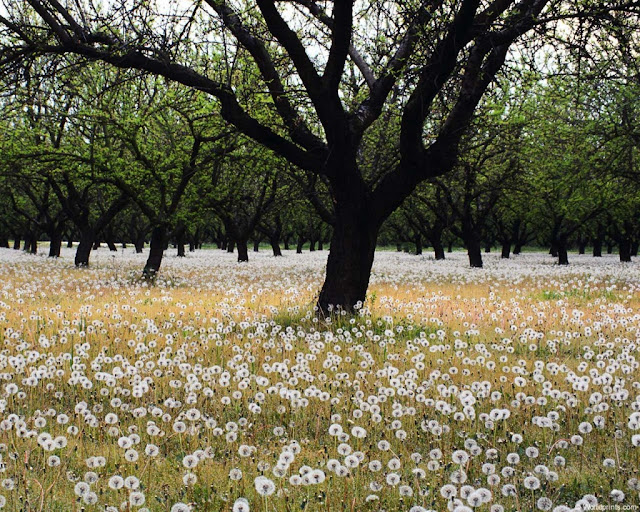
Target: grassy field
<point>217,388</point>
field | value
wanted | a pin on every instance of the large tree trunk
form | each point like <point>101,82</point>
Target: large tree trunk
<point>4,242</point>
<point>625,250</point>
<point>353,244</point>
<point>33,245</point>
<point>517,248</point>
<point>243,252</point>
<point>156,251</point>
<point>231,245</point>
<point>506,249</point>
<point>83,251</point>
<point>16,243</point>
<point>438,250</point>
<point>27,244</point>
<point>139,243</point>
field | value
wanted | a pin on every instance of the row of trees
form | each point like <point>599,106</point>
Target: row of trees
<point>488,121</point>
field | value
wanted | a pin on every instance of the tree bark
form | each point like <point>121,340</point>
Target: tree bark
<point>561,252</point>
<point>300,245</point>
<point>139,243</point>
<point>418,243</point>
<point>275,246</point>
<point>231,245</point>
<point>517,248</point>
<point>83,251</point>
<point>312,245</point>
<point>350,260</point>
<point>597,247</point>
<point>438,250</point>
<point>55,245</point>
<point>243,253</point>
<point>475,252</point>
<point>16,244</point>
<point>506,249</point>
<point>625,250</point>
<point>156,251</point>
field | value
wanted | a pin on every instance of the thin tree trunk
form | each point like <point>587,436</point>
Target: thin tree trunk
<point>450,247</point>
<point>320,244</point>
<point>474,252</point>
<point>275,246</point>
<point>597,247</point>
<point>582,246</point>
<point>312,245</point>
<point>506,249</point>
<point>55,245</point>
<point>285,241</point>
<point>609,247</point>
<point>634,248</point>
<point>561,252</point>
<point>83,251</point>
<point>300,245</point>
<point>156,251</point>
<point>256,245</point>
<point>243,253</point>
<point>625,250</point>
<point>418,243</point>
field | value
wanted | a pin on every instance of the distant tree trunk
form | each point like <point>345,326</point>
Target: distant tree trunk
<point>243,253</point>
<point>320,244</point>
<point>475,253</point>
<point>517,248</point>
<point>300,245</point>
<point>609,247</point>
<point>231,245</point>
<point>474,247</point>
<point>256,245</point>
<point>285,241</point>
<point>438,250</point>
<point>4,242</point>
<point>553,250</point>
<point>192,246</point>
<point>16,243</point>
<point>561,252</point>
<point>582,246</point>
<point>312,245</point>
<point>506,249</point>
<point>180,241</point>
<point>398,247</point>
<point>55,245</point>
<point>634,248</point>
<point>27,243</point>
<point>69,242</point>
<point>275,247</point>
<point>223,244</point>
<point>33,245</point>
<point>450,247</point>
<point>624,247</point>
<point>139,243</point>
<point>487,248</point>
<point>83,251</point>
<point>597,247</point>
<point>156,251</point>
<point>418,244</point>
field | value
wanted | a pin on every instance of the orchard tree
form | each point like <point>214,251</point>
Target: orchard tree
<point>440,57</point>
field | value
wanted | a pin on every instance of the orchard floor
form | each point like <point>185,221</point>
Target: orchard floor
<point>216,388</point>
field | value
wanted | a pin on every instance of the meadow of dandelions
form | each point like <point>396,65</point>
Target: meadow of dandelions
<point>217,388</point>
